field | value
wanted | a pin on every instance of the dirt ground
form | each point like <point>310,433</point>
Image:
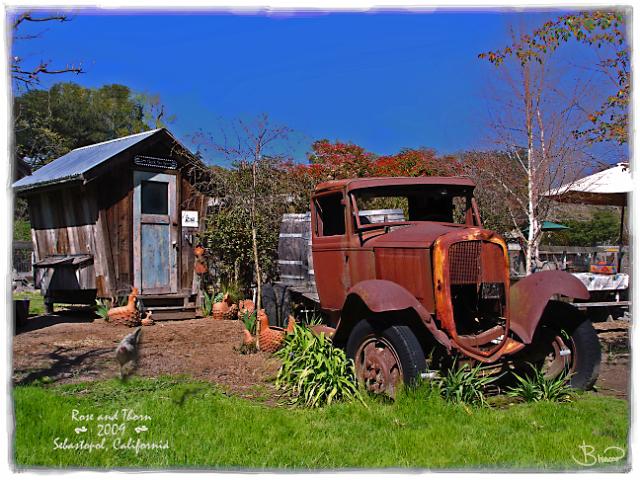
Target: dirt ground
<point>615,366</point>
<point>71,347</point>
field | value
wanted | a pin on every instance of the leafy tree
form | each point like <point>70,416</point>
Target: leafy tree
<point>49,123</point>
<point>595,28</point>
<point>603,228</point>
<point>336,160</point>
<point>229,233</point>
<point>154,113</point>
<point>340,160</point>
<point>21,230</point>
<point>416,163</point>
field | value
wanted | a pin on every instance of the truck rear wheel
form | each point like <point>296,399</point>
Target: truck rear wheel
<point>385,356</point>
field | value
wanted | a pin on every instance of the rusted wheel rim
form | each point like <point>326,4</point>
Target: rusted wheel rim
<point>561,358</point>
<point>378,366</point>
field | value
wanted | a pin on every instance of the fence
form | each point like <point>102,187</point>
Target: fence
<point>23,259</point>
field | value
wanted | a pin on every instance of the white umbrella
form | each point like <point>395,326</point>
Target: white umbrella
<point>608,187</point>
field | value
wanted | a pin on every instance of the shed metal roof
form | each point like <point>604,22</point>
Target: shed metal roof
<point>74,164</point>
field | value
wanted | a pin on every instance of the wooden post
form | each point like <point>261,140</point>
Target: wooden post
<point>620,240</point>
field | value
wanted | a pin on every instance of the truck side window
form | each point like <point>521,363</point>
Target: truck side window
<point>330,211</point>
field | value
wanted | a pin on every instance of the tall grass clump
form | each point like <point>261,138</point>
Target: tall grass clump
<point>207,303</point>
<point>535,387</point>
<point>314,373</point>
<point>466,384</point>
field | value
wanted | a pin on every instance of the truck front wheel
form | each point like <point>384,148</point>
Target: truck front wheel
<point>385,356</point>
<point>575,352</point>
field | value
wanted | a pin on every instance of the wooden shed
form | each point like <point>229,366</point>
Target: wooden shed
<point>116,215</point>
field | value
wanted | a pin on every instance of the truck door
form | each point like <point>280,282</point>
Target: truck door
<point>329,248</point>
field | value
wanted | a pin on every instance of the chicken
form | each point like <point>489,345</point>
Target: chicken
<point>148,319</point>
<point>246,307</point>
<point>271,338</point>
<point>129,314</point>
<point>127,351</point>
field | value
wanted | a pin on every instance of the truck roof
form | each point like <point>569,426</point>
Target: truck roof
<point>369,182</point>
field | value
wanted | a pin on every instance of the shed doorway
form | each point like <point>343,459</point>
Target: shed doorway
<point>155,233</point>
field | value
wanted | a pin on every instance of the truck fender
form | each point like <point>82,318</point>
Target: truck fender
<point>380,296</point>
<point>530,296</point>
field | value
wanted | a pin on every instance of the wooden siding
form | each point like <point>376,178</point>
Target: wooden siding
<point>190,199</point>
<point>115,204</point>
<point>63,222</point>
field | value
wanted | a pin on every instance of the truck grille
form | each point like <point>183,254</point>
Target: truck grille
<point>464,262</point>
<point>475,262</point>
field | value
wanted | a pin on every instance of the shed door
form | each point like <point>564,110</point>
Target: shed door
<point>155,233</point>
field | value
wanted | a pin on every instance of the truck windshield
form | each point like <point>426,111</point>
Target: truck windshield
<point>423,203</point>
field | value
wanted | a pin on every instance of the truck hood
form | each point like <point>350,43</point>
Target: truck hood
<point>414,235</point>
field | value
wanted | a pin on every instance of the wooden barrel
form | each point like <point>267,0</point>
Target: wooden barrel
<point>293,255</point>
<point>311,278</point>
<point>381,215</point>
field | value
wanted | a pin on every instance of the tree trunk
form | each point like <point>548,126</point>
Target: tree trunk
<point>254,240</point>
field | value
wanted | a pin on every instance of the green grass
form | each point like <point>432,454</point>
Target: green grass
<point>206,428</point>
<point>36,305</point>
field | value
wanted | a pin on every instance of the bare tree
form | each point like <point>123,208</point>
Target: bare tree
<point>30,76</point>
<point>532,119</point>
<point>253,148</point>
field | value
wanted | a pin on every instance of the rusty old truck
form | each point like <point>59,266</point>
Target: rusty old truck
<point>408,282</point>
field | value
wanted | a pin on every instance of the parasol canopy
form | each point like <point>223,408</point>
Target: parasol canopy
<point>608,187</point>
<point>547,227</point>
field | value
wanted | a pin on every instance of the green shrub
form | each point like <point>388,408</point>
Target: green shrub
<point>314,373</point>
<point>465,384</point>
<point>536,388</point>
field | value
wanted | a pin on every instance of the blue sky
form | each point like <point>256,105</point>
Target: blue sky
<point>382,80</point>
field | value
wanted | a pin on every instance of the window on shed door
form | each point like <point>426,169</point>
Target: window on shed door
<point>155,198</point>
